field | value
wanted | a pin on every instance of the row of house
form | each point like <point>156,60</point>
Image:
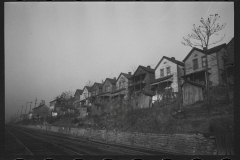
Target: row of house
<point>148,85</point>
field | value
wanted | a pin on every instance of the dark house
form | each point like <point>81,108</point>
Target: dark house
<point>96,90</point>
<point>141,79</point>
<point>108,86</point>
<point>77,95</point>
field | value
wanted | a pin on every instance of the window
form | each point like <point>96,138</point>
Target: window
<point>203,61</point>
<point>168,71</point>
<point>107,89</point>
<point>195,64</point>
<point>162,72</point>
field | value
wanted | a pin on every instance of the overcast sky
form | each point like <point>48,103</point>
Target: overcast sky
<point>51,47</point>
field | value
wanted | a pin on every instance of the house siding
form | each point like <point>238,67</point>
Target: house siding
<point>112,88</point>
<point>212,64</point>
<point>191,94</point>
<point>173,70</point>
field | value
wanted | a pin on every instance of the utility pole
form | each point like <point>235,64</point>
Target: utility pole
<point>30,105</point>
<point>35,102</point>
<point>206,74</point>
<point>21,110</point>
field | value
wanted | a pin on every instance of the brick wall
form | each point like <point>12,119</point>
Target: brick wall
<point>170,143</point>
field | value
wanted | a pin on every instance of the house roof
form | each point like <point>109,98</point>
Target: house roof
<point>148,93</point>
<point>147,69</point>
<point>170,59</point>
<point>119,90</point>
<point>112,81</point>
<point>55,100</point>
<point>161,79</point>
<point>209,51</point>
<point>230,42</point>
<point>79,91</point>
<point>99,85</point>
<point>193,83</point>
<point>128,76</point>
<point>88,88</point>
<point>40,106</point>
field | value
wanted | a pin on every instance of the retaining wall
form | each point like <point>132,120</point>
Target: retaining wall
<point>170,143</point>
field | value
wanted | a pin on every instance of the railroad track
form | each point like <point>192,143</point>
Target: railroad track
<point>92,147</point>
<point>34,145</point>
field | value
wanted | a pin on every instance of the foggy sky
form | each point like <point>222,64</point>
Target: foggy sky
<point>52,47</point>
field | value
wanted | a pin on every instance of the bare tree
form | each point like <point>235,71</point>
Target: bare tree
<point>203,33</point>
<point>201,36</point>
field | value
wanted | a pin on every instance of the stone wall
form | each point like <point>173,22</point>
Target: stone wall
<point>169,143</point>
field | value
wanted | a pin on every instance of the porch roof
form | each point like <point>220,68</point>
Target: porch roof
<point>118,90</point>
<point>159,80</point>
<point>148,93</point>
<point>193,83</point>
<point>196,72</point>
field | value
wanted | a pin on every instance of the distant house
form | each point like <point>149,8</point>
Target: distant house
<point>86,96</point>
<point>195,65</point>
<point>108,86</point>
<point>96,91</point>
<point>122,85</point>
<point>192,92</point>
<point>41,111</point>
<point>229,64</point>
<point>77,95</point>
<point>141,79</point>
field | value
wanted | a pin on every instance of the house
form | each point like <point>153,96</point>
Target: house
<point>77,95</point>
<point>108,86</point>
<point>168,74</point>
<point>52,107</point>
<point>96,90</point>
<point>122,85</point>
<point>229,64</point>
<point>192,92</point>
<point>41,111</point>
<point>141,79</point>
<point>195,65</point>
<point>86,96</point>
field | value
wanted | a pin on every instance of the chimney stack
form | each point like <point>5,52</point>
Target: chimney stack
<point>173,58</point>
<point>129,73</point>
<point>148,66</point>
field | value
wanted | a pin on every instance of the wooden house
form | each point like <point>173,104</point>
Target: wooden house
<point>195,65</point>
<point>86,96</point>
<point>141,79</point>
<point>108,86</point>
<point>122,85</point>
<point>229,64</point>
<point>96,90</point>
<point>77,95</point>
<point>192,92</point>
<point>168,74</point>
<point>41,111</point>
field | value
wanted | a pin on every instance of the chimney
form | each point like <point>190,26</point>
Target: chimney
<point>129,73</point>
<point>148,66</point>
<point>173,58</point>
<point>204,48</point>
<point>114,78</point>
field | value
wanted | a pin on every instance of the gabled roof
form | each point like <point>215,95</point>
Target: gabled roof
<point>112,81</point>
<point>170,59</point>
<point>193,83</point>
<point>149,70</point>
<point>42,105</point>
<point>79,91</point>
<point>209,51</point>
<point>128,76</point>
<point>161,79</point>
<point>88,88</point>
<point>55,100</point>
<point>230,42</point>
<point>99,85</point>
